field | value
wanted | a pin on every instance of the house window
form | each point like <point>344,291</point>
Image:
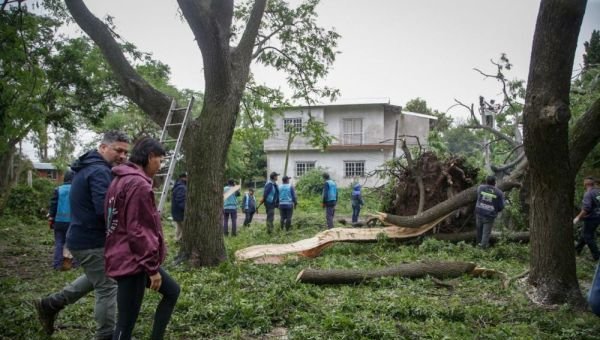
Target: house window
<point>354,168</point>
<point>303,167</point>
<point>352,131</point>
<point>53,174</point>
<point>292,123</point>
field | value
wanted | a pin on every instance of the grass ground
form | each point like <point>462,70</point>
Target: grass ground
<point>246,301</point>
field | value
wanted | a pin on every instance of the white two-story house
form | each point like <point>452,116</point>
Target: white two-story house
<point>363,140</point>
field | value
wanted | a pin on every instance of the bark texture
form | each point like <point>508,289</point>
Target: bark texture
<point>438,270</point>
<point>551,174</point>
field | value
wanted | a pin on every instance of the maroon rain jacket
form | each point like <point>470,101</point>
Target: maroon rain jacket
<point>134,236</point>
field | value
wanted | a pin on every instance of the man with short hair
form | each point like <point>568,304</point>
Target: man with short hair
<point>178,204</point>
<point>287,203</point>
<point>330,197</point>
<point>86,237</point>
<point>590,214</point>
<point>271,199</point>
<point>490,201</point>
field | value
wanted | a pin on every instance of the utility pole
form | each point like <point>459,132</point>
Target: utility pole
<point>395,139</point>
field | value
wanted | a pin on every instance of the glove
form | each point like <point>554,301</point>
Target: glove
<point>576,220</point>
<point>50,223</point>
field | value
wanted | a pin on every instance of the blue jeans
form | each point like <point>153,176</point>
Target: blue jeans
<point>93,279</point>
<point>355,213</point>
<point>594,296</point>
<point>233,214</point>
<point>130,296</point>
<point>484,230</point>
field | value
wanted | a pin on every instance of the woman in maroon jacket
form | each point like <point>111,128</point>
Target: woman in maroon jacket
<point>135,245</point>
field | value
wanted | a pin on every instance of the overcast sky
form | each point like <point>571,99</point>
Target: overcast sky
<point>389,49</point>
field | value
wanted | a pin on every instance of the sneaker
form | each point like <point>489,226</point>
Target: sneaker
<point>46,315</point>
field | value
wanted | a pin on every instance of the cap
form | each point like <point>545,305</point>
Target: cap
<point>273,175</point>
<point>285,178</point>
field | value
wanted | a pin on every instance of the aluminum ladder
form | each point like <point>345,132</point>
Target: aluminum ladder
<point>172,157</point>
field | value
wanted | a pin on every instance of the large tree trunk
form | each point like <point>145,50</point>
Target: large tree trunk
<point>546,126</point>
<point>226,70</point>
<point>440,270</point>
<point>206,157</point>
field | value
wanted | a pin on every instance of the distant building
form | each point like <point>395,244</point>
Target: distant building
<point>364,139</point>
<point>49,171</point>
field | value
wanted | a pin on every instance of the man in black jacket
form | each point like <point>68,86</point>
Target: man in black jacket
<point>86,237</point>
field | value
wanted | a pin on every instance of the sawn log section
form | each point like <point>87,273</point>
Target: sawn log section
<point>438,270</point>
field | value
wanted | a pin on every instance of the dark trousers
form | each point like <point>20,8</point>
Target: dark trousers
<point>233,214</point>
<point>59,243</point>
<point>286,217</point>
<point>355,213</point>
<point>129,301</point>
<point>588,236</point>
<point>270,217</point>
<point>329,213</point>
<point>248,218</point>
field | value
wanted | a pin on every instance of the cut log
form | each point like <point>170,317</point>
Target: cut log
<point>469,236</point>
<point>438,270</point>
<point>312,247</point>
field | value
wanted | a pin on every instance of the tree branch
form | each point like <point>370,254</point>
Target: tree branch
<point>584,135</point>
<point>210,22</point>
<point>155,103</point>
<point>244,48</point>
<point>477,125</point>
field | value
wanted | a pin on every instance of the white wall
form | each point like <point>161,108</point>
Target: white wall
<point>372,121</point>
<point>332,161</point>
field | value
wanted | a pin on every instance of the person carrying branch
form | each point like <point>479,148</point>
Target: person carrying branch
<point>230,209</point>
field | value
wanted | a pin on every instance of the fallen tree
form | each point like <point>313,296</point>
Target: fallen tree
<point>312,247</point>
<point>439,270</point>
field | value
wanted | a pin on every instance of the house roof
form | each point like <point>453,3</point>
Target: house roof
<point>367,102</point>
<point>43,166</point>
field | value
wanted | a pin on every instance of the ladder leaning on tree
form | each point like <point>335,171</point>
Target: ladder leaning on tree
<point>166,172</point>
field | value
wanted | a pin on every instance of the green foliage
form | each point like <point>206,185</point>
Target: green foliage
<point>30,202</point>
<point>419,105</point>
<point>311,183</point>
<point>513,212</point>
<point>291,41</point>
<point>591,57</point>
<point>242,300</point>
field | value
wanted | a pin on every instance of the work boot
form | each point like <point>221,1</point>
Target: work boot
<point>46,314</point>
